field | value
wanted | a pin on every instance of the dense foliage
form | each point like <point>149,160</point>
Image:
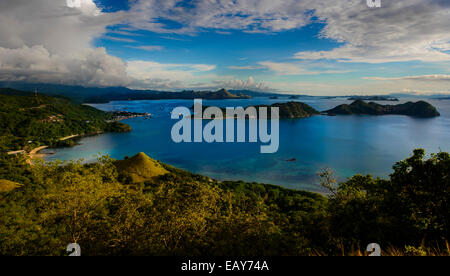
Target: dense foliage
<point>30,120</point>
<point>179,213</point>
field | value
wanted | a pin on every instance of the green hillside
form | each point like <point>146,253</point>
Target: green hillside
<point>139,168</point>
<point>28,120</point>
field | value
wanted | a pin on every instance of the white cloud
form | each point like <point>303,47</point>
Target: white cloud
<point>245,67</point>
<point>120,39</point>
<point>87,67</point>
<point>149,48</point>
<point>445,78</point>
<point>286,68</point>
<point>399,31</point>
<point>46,41</point>
<point>237,84</point>
<point>154,75</point>
<point>169,77</point>
<point>293,69</point>
<point>246,15</point>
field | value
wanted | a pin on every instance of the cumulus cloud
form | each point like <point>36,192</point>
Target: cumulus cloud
<point>398,31</point>
<point>47,41</point>
<point>246,15</point>
<point>87,67</point>
<point>249,84</point>
<point>154,75</point>
<point>170,77</point>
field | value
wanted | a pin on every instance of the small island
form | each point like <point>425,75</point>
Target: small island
<point>124,115</point>
<point>289,110</point>
<point>419,109</point>
<point>373,98</point>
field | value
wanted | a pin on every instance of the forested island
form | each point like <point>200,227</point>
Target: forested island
<point>373,98</point>
<point>418,109</point>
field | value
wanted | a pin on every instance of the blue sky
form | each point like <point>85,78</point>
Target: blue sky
<point>287,46</point>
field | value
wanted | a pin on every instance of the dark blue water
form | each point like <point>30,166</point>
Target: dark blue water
<point>346,144</point>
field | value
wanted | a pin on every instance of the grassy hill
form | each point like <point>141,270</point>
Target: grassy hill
<point>28,120</point>
<point>139,168</point>
<point>8,186</point>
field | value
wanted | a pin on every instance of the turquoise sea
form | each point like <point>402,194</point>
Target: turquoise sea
<point>346,144</point>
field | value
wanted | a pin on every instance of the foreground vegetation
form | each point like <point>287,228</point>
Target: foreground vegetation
<point>142,207</point>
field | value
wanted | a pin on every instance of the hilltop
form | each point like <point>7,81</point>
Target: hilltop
<point>139,168</point>
<point>29,120</point>
<point>293,110</point>
<point>418,109</point>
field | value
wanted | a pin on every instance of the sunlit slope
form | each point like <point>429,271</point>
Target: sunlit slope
<point>140,168</point>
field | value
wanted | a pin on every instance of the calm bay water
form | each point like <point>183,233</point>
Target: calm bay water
<point>347,144</point>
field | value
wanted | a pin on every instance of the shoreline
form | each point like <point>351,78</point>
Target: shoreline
<point>34,154</point>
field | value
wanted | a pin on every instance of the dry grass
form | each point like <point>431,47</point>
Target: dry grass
<point>8,186</point>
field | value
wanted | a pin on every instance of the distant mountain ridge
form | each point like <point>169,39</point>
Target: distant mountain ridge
<point>107,94</point>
